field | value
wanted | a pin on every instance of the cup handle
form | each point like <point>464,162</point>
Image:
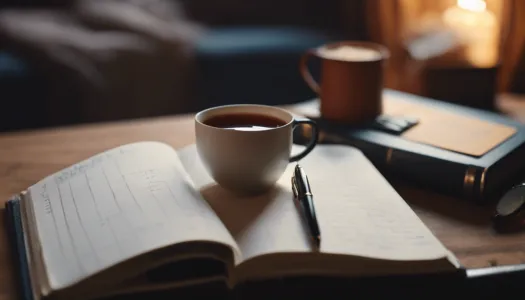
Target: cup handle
<point>313,140</point>
<point>305,72</point>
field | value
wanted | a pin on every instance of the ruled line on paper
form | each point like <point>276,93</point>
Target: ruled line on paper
<point>76,253</point>
<point>127,185</point>
<point>49,210</point>
<point>80,221</point>
<point>111,188</point>
<point>100,216</point>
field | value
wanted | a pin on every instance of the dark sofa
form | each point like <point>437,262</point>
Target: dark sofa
<point>249,53</point>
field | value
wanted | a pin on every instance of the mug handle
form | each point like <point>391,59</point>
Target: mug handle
<point>305,72</point>
<point>313,140</point>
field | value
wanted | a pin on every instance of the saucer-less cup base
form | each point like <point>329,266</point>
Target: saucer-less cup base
<point>247,162</point>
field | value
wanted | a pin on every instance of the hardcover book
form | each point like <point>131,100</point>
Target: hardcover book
<point>456,150</point>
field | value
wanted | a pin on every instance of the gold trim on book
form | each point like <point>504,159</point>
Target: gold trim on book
<point>389,155</point>
<point>482,182</point>
<point>468,180</point>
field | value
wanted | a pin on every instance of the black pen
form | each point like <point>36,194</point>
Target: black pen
<point>303,194</point>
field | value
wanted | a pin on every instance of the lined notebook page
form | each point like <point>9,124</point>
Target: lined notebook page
<point>358,212</point>
<point>114,206</point>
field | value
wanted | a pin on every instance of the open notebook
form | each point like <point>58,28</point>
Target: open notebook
<point>144,216</point>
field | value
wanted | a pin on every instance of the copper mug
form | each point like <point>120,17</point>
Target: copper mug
<point>351,82</point>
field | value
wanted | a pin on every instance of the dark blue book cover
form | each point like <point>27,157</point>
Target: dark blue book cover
<point>460,154</point>
<point>17,244</point>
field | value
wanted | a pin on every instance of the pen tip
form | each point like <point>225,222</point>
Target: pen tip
<point>317,240</point>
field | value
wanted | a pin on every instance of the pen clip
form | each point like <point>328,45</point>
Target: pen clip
<point>294,188</point>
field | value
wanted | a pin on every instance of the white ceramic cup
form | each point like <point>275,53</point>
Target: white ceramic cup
<point>249,162</point>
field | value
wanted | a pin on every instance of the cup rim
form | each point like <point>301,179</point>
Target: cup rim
<point>202,112</point>
<point>383,50</point>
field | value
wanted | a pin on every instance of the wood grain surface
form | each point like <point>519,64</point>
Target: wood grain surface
<point>26,157</point>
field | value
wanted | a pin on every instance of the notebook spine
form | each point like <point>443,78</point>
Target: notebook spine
<point>16,236</point>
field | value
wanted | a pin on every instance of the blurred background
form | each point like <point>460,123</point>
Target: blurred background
<point>68,62</point>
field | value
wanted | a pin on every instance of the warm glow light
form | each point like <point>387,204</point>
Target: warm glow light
<point>472,5</point>
<point>476,27</point>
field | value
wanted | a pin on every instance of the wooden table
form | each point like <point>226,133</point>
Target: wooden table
<point>27,157</point>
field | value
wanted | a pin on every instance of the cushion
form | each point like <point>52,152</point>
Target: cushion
<point>11,66</point>
<point>258,65</point>
<point>21,91</point>
<point>259,40</point>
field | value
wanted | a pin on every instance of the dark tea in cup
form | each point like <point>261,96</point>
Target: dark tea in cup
<point>245,121</point>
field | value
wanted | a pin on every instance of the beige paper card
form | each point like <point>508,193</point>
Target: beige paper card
<point>449,130</point>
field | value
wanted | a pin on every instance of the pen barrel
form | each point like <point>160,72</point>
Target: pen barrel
<point>311,218</point>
